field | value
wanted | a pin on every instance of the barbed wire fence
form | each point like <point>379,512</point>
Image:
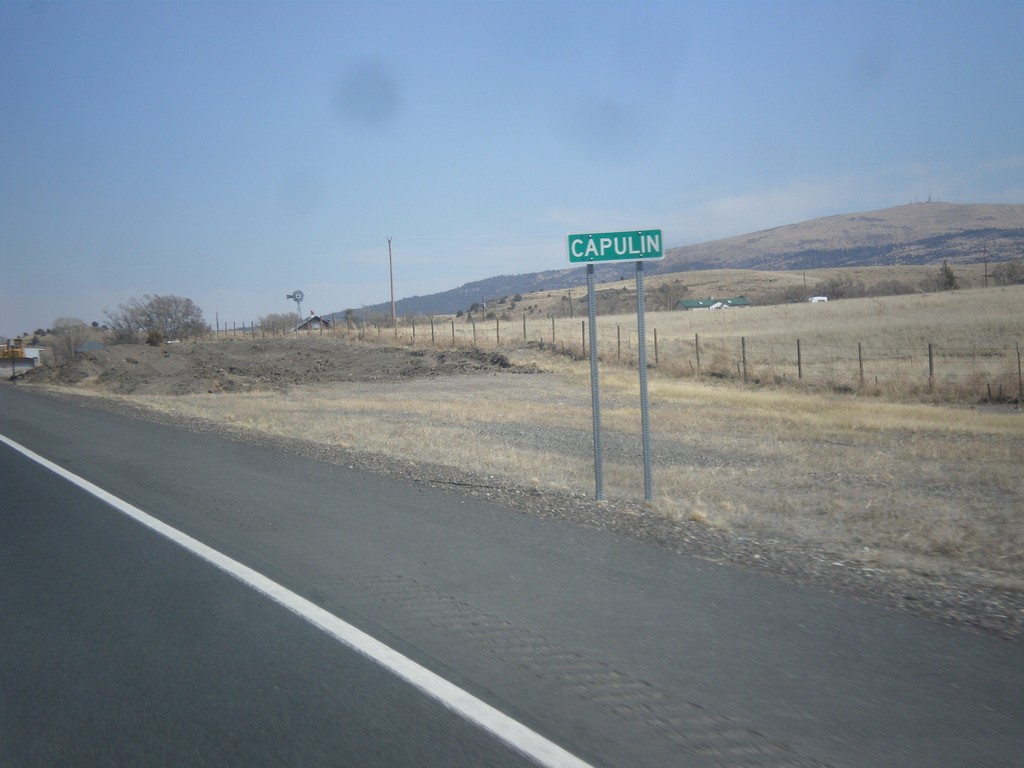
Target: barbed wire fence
<point>989,372</point>
<point>984,371</point>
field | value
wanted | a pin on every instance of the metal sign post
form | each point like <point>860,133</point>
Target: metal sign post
<point>638,245</point>
<point>595,400</point>
<point>645,420</point>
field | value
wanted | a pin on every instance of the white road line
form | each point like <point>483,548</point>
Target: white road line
<point>513,733</point>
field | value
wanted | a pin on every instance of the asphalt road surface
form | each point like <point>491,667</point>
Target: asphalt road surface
<point>119,646</point>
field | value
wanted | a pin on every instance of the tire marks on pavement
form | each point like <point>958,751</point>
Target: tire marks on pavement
<point>705,738</point>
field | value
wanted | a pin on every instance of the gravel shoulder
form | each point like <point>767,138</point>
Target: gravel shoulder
<point>966,600</point>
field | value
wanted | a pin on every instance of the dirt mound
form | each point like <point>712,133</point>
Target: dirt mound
<point>239,366</point>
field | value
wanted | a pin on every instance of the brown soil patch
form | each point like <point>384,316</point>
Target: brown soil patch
<point>241,366</point>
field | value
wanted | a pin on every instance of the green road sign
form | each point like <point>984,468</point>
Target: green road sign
<point>615,246</point>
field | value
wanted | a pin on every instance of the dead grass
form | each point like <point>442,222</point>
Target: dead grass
<point>878,346</point>
<point>758,285</point>
<point>875,346</point>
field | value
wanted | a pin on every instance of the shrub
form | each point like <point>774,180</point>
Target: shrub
<point>1009,273</point>
<point>840,287</point>
<point>946,279</point>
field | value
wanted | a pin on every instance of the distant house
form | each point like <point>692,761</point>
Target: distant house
<point>738,301</point>
<point>314,323</point>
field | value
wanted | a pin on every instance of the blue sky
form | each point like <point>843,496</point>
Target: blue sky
<point>231,152</point>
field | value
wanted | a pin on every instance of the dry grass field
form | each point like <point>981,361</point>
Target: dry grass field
<point>760,286</point>
<point>955,346</point>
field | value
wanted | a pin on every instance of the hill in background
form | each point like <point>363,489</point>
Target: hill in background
<point>914,234</point>
<point>920,233</point>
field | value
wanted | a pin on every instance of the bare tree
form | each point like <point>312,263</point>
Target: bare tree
<point>1009,273</point>
<point>158,318</point>
<point>172,316</point>
<point>840,287</point>
<point>278,322</point>
<point>667,295</point>
<point>126,324</point>
<point>69,333</point>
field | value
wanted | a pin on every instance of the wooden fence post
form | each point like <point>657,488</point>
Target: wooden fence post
<point>799,361</point>
<point>1020,379</point>
<point>743,348</point>
<point>655,347</point>
<point>860,363</point>
<point>931,366</point>
<point>696,347</point>
<point>453,333</point>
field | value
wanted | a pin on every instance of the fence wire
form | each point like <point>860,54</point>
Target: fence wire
<point>982,371</point>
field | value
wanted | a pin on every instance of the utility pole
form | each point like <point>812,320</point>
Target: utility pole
<point>391,271</point>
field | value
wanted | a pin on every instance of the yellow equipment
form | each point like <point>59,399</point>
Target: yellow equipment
<point>13,349</point>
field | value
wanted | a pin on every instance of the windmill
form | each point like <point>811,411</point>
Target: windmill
<point>297,296</point>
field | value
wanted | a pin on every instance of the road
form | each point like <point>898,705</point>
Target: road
<point>119,646</point>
